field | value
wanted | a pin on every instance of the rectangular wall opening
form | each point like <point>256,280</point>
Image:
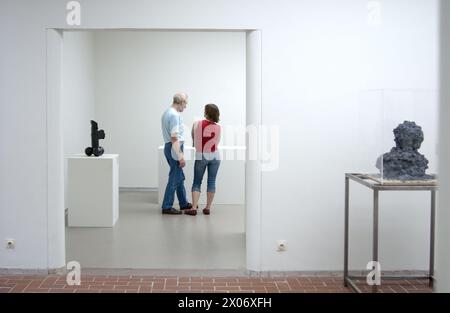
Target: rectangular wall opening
<point>124,80</point>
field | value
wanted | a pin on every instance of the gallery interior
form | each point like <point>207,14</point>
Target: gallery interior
<point>334,140</point>
<point>144,67</point>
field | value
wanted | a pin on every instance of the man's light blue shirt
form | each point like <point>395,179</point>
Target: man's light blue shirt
<point>172,123</point>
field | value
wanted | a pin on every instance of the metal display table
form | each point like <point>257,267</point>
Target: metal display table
<point>365,180</point>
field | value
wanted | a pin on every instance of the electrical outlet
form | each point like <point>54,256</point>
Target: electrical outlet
<point>281,245</point>
<point>10,243</point>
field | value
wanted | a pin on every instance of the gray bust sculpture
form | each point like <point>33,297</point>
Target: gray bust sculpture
<point>404,162</point>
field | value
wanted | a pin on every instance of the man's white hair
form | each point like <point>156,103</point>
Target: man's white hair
<point>179,98</point>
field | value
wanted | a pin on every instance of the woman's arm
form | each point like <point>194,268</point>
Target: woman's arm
<point>219,130</point>
<point>194,127</point>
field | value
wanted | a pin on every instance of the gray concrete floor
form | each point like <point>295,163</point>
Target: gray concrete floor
<point>143,238</point>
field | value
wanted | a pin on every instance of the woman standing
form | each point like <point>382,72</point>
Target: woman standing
<point>206,137</point>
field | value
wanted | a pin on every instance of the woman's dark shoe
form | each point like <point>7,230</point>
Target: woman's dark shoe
<point>187,207</point>
<point>192,212</point>
<point>171,211</point>
<point>206,211</point>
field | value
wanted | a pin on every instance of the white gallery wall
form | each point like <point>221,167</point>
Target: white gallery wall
<point>126,79</point>
<point>317,57</point>
<point>443,220</point>
<point>138,72</point>
<point>78,90</point>
<point>78,93</point>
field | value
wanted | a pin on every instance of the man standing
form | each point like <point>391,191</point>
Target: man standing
<point>173,133</point>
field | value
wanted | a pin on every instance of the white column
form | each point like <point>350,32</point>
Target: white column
<point>253,168</point>
<point>55,179</point>
<point>443,212</point>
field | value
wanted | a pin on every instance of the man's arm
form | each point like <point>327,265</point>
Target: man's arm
<point>176,145</point>
<point>177,148</point>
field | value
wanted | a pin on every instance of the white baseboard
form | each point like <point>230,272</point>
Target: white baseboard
<point>138,189</point>
<point>205,273</point>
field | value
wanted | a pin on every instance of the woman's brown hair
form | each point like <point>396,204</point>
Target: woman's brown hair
<point>212,112</point>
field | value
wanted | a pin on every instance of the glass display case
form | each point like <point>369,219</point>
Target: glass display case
<point>398,135</point>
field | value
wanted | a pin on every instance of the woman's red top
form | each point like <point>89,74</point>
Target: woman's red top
<point>206,136</point>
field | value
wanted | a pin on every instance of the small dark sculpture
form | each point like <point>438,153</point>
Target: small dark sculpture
<point>96,135</point>
<point>404,162</point>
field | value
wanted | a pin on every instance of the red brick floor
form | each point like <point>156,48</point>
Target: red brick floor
<point>157,284</point>
<point>398,286</point>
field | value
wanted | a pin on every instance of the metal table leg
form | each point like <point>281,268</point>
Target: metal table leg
<point>347,194</point>
<point>432,235</point>
<point>375,232</point>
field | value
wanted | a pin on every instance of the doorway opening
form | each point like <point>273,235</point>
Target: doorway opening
<point>124,79</point>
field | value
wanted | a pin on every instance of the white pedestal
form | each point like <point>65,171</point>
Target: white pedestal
<point>93,190</point>
<point>230,183</point>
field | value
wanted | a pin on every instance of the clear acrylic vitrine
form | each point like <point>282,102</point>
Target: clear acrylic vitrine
<point>398,135</point>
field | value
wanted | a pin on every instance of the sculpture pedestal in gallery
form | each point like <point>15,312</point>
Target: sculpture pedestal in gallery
<point>230,181</point>
<point>93,190</point>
